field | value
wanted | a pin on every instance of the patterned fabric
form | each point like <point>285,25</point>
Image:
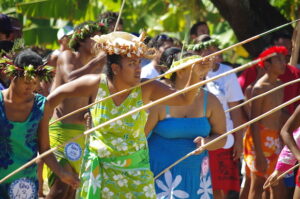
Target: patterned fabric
<point>224,171</point>
<point>116,160</point>
<point>70,154</point>
<point>271,147</point>
<point>172,138</point>
<point>286,158</point>
<point>18,145</point>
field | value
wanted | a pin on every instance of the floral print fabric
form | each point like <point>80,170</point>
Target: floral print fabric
<point>116,161</point>
<point>271,147</point>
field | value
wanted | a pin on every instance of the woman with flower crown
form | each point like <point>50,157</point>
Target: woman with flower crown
<point>116,161</point>
<point>24,118</point>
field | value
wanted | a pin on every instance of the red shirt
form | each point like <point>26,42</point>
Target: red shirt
<point>291,91</point>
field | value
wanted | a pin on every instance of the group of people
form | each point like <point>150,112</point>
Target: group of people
<point>123,158</point>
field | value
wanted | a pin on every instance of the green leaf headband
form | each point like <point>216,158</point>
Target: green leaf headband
<point>43,72</point>
<point>203,45</point>
<point>86,31</point>
<point>182,63</point>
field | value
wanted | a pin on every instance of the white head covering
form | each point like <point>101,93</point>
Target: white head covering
<point>64,31</point>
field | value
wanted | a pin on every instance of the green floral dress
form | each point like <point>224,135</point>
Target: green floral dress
<point>116,159</point>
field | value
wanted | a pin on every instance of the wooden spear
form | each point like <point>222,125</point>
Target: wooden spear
<point>263,94</point>
<point>176,69</point>
<point>134,111</point>
<point>202,148</point>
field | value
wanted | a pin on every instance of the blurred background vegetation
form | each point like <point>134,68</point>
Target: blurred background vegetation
<point>42,18</point>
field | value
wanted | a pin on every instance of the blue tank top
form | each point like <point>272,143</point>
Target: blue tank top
<point>172,138</point>
<point>184,127</point>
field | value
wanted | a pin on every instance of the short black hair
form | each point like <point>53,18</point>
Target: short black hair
<point>279,35</point>
<point>159,41</point>
<point>75,44</point>
<point>28,57</point>
<point>194,28</point>
<point>202,38</point>
<point>112,59</point>
<point>5,47</point>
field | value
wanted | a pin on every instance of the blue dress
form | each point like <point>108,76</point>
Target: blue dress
<point>171,139</point>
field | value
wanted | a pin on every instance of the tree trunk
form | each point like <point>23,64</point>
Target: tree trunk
<point>251,17</point>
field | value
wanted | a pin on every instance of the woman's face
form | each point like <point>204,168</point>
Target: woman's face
<point>25,87</point>
<point>129,71</point>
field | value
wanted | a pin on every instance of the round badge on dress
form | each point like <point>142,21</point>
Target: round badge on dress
<point>73,151</point>
<point>23,188</point>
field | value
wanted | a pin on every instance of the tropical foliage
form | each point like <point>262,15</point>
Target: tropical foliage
<point>42,18</point>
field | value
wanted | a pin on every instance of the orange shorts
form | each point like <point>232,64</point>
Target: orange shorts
<point>271,147</point>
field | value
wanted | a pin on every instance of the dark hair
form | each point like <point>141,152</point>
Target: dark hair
<point>168,57</point>
<point>279,35</point>
<point>159,41</point>
<point>28,57</point>
<point>109,18</point>
<point>202,38</point>
<point>194,28</point>
<point>5,47</point>
<point>74,41</point>
<point>5,25</point>
<point>112,59</point>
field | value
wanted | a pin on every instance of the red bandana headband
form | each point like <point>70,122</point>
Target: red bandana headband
<point>268,51</point>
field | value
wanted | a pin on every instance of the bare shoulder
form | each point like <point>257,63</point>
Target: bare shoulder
<point>158,110</point>
<point>66,56</point>
<point>213,104</point>
<point>212,100</point>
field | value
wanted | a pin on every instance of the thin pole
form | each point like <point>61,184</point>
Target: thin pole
<point>263,94</point>
<point>119,17</point>
<point>134,111</point>
<point>176,69</point>
<point>202,148</point>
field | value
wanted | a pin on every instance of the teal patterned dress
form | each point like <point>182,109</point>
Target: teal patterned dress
<point>18,145</point>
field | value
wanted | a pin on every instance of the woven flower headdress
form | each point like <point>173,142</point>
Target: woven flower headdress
<point>123,43</point>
